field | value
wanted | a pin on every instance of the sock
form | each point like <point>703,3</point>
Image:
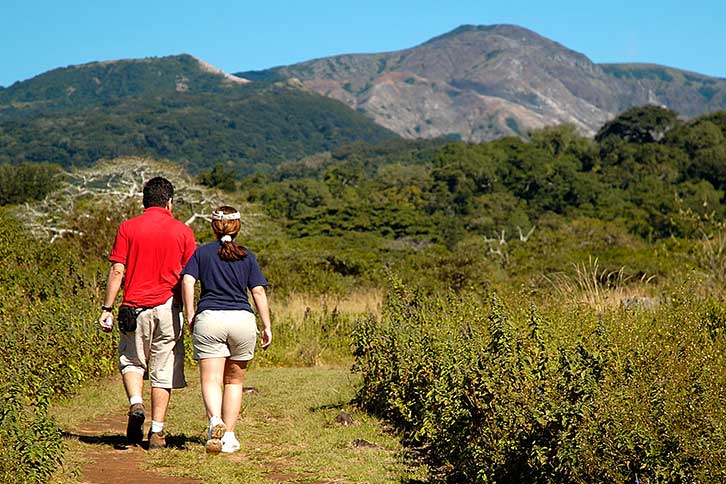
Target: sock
<point>229,437</point>
<point>156,426</point>
<point>214,420</point>
<point>135,399</point>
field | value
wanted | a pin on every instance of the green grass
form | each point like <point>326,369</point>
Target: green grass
<point>287,430</point>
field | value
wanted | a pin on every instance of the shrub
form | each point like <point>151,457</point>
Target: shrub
<point>50,346</point>
<point>511,395</point>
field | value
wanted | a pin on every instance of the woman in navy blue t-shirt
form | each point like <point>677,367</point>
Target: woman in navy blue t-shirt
<point>224,329</point>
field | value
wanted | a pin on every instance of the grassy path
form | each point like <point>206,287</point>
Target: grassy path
<point>288,432</point>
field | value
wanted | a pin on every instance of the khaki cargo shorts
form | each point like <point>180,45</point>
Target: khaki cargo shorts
<point>156,348</point>
<point>224,334</point>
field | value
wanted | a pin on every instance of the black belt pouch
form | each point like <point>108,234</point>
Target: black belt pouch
<point>127,319</point>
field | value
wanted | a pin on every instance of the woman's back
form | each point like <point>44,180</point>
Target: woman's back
<point>224,284</point>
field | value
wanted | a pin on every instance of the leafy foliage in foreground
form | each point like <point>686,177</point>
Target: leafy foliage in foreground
<point>496,395</point>
<point>50,346</point>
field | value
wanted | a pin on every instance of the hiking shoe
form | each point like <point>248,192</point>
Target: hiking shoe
<point>135,426</point>
<point>157,440</point>
<point>214,438</point>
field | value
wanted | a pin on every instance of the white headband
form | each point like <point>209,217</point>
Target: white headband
<point>225,216</point>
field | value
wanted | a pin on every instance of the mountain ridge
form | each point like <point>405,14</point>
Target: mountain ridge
<point>105,81</point>
<point>482,82</point>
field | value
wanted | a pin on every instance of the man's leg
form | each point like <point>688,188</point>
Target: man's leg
<point>133,383</point>
<point>133,379</point>
<point>159,403</point>
<point>166,361</point>
<point>132,361</point>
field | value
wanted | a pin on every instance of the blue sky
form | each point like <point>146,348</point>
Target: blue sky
<point>39,35</point>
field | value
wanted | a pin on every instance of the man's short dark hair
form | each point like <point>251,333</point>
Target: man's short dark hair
<point>157,192</point>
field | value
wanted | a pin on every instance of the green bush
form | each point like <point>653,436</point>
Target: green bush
<point>51,344</point>
<point>511,395</point>
<point>320,337</point>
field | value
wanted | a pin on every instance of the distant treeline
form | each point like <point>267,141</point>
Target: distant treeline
<point>646,172</point>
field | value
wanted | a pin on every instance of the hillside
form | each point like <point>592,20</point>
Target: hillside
<point>688,93</point>
<point>76,87</point>
<point>178,108</point>
<point>482,82</point>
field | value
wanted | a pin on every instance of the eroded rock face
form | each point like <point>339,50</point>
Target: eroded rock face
<point>482,82</point>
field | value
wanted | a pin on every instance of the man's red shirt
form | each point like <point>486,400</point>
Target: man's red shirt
<point>154,248</point>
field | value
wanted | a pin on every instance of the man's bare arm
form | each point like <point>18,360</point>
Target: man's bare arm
<point>113,286</point>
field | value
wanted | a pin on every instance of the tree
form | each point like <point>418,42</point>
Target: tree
<point>642,124</point>
<point>695,136</point>
<point>219,177</point>
<point>114,188</point>
<point>710,164</point>
<point>27,181</point>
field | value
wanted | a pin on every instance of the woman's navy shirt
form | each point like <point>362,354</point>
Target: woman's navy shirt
<point>224,284</point>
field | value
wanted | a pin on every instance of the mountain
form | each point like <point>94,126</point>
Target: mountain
<point>482,82</point>
<point>177,107</point>
<point>89,84</point>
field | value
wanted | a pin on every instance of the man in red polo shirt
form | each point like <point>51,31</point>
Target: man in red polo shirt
<point>150,251</point>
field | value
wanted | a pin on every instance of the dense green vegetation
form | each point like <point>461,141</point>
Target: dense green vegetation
<point>509,211</point>
<point>173,108</point>
<point>587,388</point>
<point>48,297</point>
<point>27,181</point>
<point>97,83</point>
<point>494,393</point>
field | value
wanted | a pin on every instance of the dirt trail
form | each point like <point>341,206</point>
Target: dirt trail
<point>111,460</point>
<point>288,429</point>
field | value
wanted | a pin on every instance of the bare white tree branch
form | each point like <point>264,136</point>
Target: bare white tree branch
<point>117,184</point>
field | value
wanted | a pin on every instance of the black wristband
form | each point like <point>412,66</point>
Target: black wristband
<point>106,308</point>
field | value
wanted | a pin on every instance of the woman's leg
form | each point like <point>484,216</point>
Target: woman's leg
<point>211,372</point>
<point>234,374</point>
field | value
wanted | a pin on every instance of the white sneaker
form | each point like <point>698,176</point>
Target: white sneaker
<point>216,430</point>
<point>230,445</point>
<point>214,438</point>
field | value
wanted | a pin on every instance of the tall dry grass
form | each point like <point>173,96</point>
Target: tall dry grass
<point>296,305</point>
<point>315,330</point>
<point>591,285</point>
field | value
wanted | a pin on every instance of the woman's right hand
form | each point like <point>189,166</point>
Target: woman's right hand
<point>266,337</point>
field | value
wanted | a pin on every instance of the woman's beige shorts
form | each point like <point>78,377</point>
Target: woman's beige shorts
<point>224,334</point>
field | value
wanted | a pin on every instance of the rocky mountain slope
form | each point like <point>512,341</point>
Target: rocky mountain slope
<point>482,82</point>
